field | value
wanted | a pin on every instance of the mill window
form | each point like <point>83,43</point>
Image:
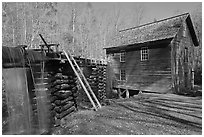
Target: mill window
<point>144,53</point>
<point>122,74</point>
<point>122,57</point>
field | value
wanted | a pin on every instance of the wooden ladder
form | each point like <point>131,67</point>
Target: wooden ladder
<point>83,81</point>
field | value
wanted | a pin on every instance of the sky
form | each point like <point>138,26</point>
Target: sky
<point>166,9</point>
<point>153,10</point>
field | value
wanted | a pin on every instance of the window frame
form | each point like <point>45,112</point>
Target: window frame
<point>144,52</point>
<point>124,74</point>
<point>123,56</point>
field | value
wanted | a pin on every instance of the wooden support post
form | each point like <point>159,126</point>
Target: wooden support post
<point>127,93</point>
<point>119,93</point>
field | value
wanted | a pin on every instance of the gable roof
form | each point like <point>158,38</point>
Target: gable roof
<point>159,30</point>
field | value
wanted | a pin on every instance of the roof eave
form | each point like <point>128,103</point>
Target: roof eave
<point>192,31</point>
<point>137,45</point>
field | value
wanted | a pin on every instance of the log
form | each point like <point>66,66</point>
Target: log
<point>57,109</point>
<point>53,90</point>
<point>92,77</point>
<point>67,112</point>
<point>63,95</point>
<point>66,100</point>
<point>52,106</point>
<point>64,91</point>
<point>66,95</point>
<point>56,82</point>
<point>71,81</point>
<point>67,106</point>
<point>59,82</point>
<point>57,102</point>
<point>56,87</point>
<point>53,98</point>
<point>53,113</point>
<point>73,85</point>
<point>58,75</point>
<point>61,76</point>
<point>65,87</point>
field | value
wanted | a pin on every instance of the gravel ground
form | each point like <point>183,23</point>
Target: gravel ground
<point>144,114</point>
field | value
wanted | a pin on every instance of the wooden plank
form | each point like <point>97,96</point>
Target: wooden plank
<point>87,84</point>
<point>82,84</point>
<point>158,67</point>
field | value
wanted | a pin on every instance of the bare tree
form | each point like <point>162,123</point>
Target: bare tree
<point>197,20</point>
<point>78,27</point>
<point>137,14</point>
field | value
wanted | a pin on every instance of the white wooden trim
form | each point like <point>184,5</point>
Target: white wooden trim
<point>144,54</point>
<point>121,56</point>
<point>120,75</point>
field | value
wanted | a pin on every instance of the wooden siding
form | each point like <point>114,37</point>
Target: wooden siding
<point>182,73</point>
<point>166,68</point>
<point>151,75</point>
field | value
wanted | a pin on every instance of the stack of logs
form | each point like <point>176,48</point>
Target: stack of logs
<point>93,81</point>
<point>101,83</point>
<point>97,81</point>
<point>63,88</point>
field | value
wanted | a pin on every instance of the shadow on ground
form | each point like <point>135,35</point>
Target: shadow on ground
<point>143,114</point>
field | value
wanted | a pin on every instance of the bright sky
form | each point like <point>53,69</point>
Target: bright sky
<point>157,10</point>
<point>166,9</point>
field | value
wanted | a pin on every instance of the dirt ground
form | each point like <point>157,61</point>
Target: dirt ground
<point>144,114</point>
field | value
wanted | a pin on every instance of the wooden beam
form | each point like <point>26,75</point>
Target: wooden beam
<point>82,84</point>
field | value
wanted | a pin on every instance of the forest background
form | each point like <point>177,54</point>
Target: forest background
<point>82,28</point>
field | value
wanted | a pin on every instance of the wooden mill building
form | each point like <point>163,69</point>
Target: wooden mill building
<point>154,57</point>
